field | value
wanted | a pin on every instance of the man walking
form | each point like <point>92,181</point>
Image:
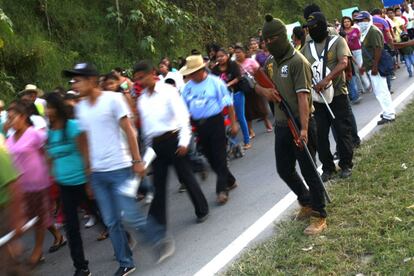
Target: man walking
<point>166,126</point>
<point>292,77</point>
<point>206,96</point>
<point>333,53</point>
<point>102,115</point>
<point>372,45</point>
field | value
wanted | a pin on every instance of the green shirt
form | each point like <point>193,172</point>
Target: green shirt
<point>407,51</point>
<point>7,175</point>
<point>374,39</point>
<point>338,50</point>
<point>293,75</point>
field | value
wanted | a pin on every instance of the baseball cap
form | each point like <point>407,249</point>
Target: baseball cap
<point>81,69</point>
<point>315,18</point>
<point>363,15</point>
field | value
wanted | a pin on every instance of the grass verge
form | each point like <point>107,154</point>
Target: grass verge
<point>370,227</point>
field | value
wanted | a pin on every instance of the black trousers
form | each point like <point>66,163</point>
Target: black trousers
<point>212,137</point>
<point>343,128</point>
<point>166,156</point>
<point>287,153</point>
<point>72,197</point>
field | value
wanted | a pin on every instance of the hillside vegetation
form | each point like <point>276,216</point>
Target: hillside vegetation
<point>48,35</point>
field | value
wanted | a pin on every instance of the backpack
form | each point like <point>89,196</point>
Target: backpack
<point>386,63</point>
<point>320,70</point>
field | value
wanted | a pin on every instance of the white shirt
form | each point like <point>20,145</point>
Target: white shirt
<point>176,76</point>
<point>162,111</point>
<point>100,121</point>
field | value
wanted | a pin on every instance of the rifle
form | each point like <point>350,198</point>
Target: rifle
<point>263,80</point>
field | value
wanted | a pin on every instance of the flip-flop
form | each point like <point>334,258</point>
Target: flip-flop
<point>56,247</point>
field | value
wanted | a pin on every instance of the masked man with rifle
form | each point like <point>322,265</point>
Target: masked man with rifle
<point>293,80</point>
<point>329,55</point>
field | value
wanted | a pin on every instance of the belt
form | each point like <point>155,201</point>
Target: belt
<point>205,120</point>
<point>165,136</point>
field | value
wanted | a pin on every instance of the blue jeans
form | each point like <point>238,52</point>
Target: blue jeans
<point>116,207</point>
<point>239,105</point>
<point>409,62</point>
<point>353,89</point>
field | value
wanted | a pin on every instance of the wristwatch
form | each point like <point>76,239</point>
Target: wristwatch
<point>136,162</point>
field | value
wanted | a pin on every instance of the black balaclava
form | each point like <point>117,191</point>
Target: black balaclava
<point>318,27</point>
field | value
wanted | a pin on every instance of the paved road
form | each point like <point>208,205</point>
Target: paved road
<point>196,244</point>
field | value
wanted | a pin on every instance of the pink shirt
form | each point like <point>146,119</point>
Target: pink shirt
<point>250,65</point>
<point>29,159</point>
<point>353,39</point>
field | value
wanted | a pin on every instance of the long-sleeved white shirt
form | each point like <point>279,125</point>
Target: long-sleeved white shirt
<point>162,111</point>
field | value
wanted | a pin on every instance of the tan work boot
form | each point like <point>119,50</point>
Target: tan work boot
<point>304,213</point>
<point>316,226</point>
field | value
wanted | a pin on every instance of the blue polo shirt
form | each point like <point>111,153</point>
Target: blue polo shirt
<point>207,98</point>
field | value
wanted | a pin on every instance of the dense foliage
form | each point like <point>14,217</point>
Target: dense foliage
<point>40,37</point>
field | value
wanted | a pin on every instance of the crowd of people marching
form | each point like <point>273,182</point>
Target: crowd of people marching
<point>83,149</point>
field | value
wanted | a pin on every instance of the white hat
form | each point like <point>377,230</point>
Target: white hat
<point>193,64</point>
<point>32,87</point>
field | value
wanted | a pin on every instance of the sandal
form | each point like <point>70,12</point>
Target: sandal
<point>103,236</point>
<point>56,247</point>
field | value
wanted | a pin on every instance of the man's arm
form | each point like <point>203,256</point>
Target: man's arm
<point>303,102</point>
<point>339,68</point>
<point>377,57</point>
<point>131,135</point>
<point>82,141</point>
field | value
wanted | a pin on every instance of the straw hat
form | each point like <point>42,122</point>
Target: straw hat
<point>193,64</point>
<point>30,88</point>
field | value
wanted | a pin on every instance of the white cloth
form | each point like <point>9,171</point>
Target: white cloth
<point>162,111</point>
<point>380,89</point>
<point>359,61</point>
<point>101,121</point>
<point>176,76</point>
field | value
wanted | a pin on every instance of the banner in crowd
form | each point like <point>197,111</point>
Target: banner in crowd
<point>290,27</point>
<point>388,3</point>
<point>348,12</point>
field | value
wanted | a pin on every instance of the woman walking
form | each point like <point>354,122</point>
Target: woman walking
<point>229,72</point>
<point>255,104</point>
<point>26,147</point>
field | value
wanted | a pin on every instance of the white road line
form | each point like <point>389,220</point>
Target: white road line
<point>241,242</point>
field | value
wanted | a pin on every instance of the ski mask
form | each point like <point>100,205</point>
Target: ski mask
<point>318,27</point>
<point>275,35</point>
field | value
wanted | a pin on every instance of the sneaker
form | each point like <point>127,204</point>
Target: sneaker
<point>384,121</point>
<point>394,77</point>
<point>182,189</point>
<point>232,187</point>
<point>222,198</point>
<point>166,249</point>
<point>357,100</point>
<point>149,198</point>
<point>345,173</point>
<point>304,213</point>
<point>82,272</point>
<point>203,218</point>
<point>316,226</point>
<point>326,176</point>
<point>123,271</point>
<point>91,222</point>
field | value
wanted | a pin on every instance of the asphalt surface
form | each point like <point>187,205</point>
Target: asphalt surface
<point>196,244</point>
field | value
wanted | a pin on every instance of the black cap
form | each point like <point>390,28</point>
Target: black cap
<point>314,18</point>
<point>81,69</point>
